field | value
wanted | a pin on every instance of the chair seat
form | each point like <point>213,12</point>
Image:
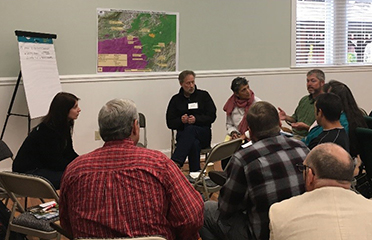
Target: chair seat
<point>36,233</point>
<point>25,185</point>
<point>219,177</point>
<point>28,220</point>
<point>27,224</point>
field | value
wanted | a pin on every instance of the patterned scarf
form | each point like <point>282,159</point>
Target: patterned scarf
<point>233,102</point>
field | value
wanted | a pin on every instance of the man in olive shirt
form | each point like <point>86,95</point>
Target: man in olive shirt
<point>304,115</point>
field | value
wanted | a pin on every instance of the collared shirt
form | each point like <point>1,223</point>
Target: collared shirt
<point>121,190</point>
<point>304,113</point>
<point>260,175</point>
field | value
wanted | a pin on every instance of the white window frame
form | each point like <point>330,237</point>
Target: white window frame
<point>335,46</point>
<point>293,33</point>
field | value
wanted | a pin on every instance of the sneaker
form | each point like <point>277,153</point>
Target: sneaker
<point>218,177</point>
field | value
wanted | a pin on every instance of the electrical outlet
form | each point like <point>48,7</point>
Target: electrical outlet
<point>97,137</point>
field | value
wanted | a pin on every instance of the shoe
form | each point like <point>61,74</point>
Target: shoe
<point>218,177</point>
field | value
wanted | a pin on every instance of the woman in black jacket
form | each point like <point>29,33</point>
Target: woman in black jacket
<point>48,149</point>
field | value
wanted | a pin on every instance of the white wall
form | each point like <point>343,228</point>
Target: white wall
<point>214,34</point>
<point>151,92</point>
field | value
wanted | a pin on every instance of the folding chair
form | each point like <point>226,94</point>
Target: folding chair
<point>364,138</point>
<point>57,226</point>
<point>368,120</point>
<point>220,151</point>
<point>28,186</point>
<point>142,123</point>
<point>5,153</point>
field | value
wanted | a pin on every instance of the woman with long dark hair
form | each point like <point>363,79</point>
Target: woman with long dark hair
<point>48,149</point>
<point>353,113</point>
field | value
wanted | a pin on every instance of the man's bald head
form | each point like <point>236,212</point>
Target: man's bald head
<point>330,161</point>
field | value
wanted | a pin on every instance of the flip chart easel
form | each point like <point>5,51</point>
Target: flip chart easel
<point>39,74</point>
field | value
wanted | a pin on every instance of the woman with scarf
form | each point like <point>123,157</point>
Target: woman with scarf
<point>236,108</point>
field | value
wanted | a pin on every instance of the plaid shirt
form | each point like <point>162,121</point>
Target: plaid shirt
<point>259,176</point>
<point>121,190</point>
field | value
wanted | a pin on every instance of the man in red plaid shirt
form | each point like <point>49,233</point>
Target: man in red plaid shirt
<point>121,190</point>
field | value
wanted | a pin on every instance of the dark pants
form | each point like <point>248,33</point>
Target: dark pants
<point>189,143</point>
<point>54,177</point>
<point>234,228</point>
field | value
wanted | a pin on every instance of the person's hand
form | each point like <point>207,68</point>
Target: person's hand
<point>191,119</point>
<point>282,114</point>
<point>300,126</point>
<point>184,118</point>
<point>234,135</point>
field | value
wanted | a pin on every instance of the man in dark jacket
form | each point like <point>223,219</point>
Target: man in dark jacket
<point>191,112</point>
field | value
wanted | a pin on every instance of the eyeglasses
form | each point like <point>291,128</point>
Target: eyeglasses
<point>302,167</point>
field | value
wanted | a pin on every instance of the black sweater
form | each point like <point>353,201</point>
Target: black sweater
<point>44,148</point>
<point>205,114</point>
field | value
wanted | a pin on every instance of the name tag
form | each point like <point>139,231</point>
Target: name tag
<point>193,105</point>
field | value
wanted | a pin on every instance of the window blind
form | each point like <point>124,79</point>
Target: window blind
<point>333,32</point>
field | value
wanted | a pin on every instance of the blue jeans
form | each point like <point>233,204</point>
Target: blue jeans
<point>189,143</point>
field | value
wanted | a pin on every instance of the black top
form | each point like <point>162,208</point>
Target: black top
<point>44,148</point>
<point>336,135</point>
<point>205,112</point>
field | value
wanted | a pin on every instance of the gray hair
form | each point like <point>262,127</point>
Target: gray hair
<point>318,73</point>
<point>328,163</point>
<point>115,119</point>
<point>184,74</point>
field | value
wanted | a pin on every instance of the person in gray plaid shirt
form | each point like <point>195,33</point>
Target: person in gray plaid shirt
<point>257,176</point>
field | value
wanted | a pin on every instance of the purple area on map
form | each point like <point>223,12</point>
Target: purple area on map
<point>121,46</point>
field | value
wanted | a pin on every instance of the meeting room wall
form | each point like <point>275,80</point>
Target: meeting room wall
<point>218,39</point>
<point>151,93</point>
<point>213,34</point>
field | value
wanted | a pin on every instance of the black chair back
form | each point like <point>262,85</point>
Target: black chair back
<point>368,120</point>
<point>5,151</point>
<point>364,138</point>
